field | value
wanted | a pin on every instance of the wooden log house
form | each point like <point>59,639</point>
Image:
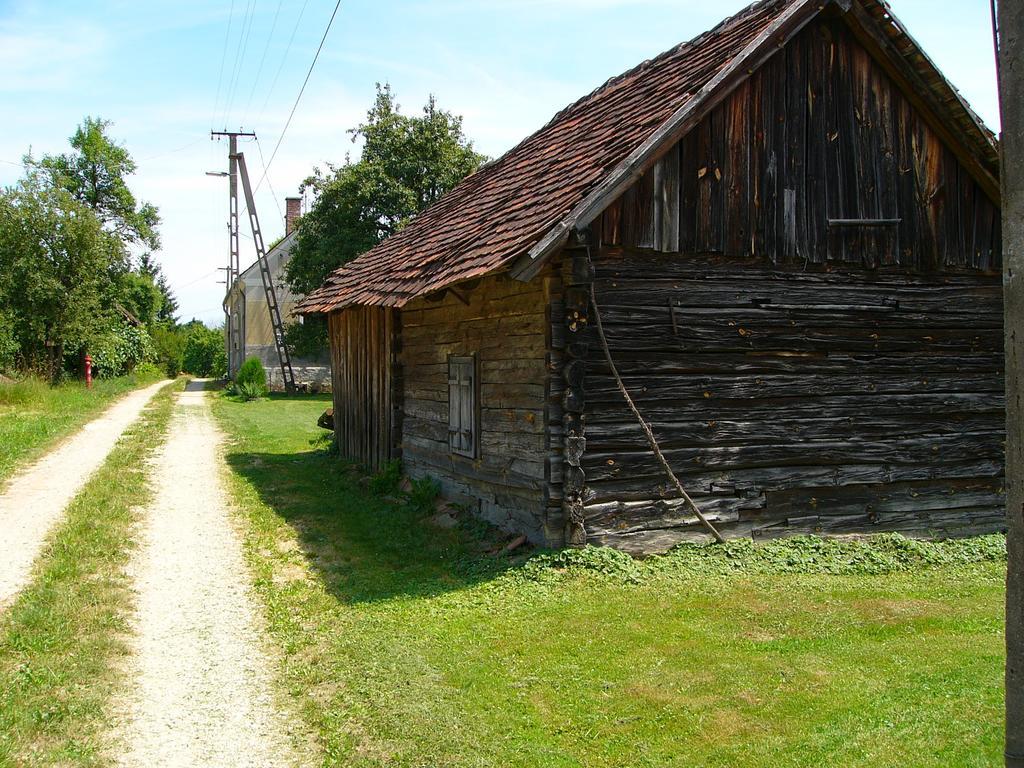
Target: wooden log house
<point>790,227</point>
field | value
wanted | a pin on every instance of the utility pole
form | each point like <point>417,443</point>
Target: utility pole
<point>1010,44</point>
<point>234,267</point>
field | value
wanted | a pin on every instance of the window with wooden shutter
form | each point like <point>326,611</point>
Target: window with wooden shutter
<point>462,420</point>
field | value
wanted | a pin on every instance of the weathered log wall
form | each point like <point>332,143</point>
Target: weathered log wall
<point>819,136</point>
<point>506,325</point>
<point>569,349</point>
<point>791,401</point>
<point>807,371</point>
<point>366,383</point>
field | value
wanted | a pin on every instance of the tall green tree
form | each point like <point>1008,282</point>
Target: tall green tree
<point>136,292</point>
<point>56,265</point>
<point>95,174</point>
<point>168,311</point>
<point>407,163</point>
<point>67,232</point>
<point>204,353</point>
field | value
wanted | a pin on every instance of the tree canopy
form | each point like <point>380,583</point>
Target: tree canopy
<point>167,312</point>
<point>55,267</point>
<point>68,275</point>
<point>95,174</point>
<point>407,163</point>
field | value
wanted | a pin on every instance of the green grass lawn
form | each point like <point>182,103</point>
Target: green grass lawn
<point>62,640</point>
<point>34,415</point>
<point>405,645</point>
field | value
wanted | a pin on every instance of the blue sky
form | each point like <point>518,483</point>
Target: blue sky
<point>506,65</point>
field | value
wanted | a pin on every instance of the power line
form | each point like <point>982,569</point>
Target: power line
<point>223,59</point>
<point>284,58</point>
<point>193,282</point>
<point>295,106</point>
<point>243,44</point>
<point>263,58</point>
<point>271,186</point>
<point>171,151</point>
<point>239,56</point>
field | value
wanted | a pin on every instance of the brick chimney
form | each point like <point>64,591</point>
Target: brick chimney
<point>292,211</point>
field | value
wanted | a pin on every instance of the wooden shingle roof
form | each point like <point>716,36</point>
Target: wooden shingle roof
<point>515,211</point>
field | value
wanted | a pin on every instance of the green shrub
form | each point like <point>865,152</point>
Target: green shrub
<point>169,347</point>
<point>252,372</point>
<point>251,380</point>
<point>388,479</point>
<point>147,371</point>
<point>250,390</point>
<point>204,353</point>
<point>119,350</point>
<point>423,493</point>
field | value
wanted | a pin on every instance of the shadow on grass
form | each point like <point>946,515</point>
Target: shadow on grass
<point>366,548</point>
<point>307,397</point>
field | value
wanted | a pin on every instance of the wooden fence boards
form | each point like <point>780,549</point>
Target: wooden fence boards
<point>364,378</point>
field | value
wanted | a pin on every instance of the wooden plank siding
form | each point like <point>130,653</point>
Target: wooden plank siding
<point>802,377</point>
<point>505,324</point>
<point>819,133</point>
<point>366,409</point>
<point>790,401</point>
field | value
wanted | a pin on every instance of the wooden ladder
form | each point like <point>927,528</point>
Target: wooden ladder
<point>268,279</point>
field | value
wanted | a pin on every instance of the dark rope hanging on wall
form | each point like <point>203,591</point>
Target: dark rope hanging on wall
<point>644,425</point>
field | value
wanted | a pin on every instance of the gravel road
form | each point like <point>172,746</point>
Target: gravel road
<point>35,499</point>
<point>200,680</point>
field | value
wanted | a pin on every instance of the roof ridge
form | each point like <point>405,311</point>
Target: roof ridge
<point>399,274</point>
<point>673,51</point>
<point>741,15</point>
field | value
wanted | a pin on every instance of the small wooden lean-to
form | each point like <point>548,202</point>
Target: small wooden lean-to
<point>790,228</point>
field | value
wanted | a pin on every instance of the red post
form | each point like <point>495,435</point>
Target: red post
<point>88,371</point>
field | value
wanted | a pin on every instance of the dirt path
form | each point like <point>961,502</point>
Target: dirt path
<point>201,684</point>
<point>35,498</point>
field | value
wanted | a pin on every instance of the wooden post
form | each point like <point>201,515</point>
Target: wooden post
<point>579,276</point>
<point>1011,93</point>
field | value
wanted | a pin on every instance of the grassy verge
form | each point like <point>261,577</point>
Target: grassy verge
<point>405,645</point>
<point>34,415</point>
<point>61,639</point>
